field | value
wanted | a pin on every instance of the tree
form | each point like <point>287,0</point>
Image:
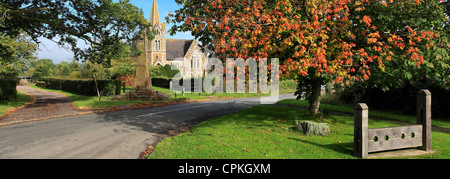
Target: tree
<point>95,71</point>
<point>15,55</point>
<point>102,24</point>
<point>43,68</point>
<point>125,64</point>
<point>319,40</point>
<point>62,69</point>
<point>399,18</point>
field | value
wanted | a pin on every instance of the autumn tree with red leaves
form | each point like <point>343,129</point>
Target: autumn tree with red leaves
<point>318,41</point>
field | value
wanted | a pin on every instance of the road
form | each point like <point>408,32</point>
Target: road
<point>117,135</point>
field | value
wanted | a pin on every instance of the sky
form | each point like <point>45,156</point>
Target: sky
<point>51,50</point>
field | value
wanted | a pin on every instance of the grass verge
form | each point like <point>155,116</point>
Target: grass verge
<point>440,122</point>
<point>206,96</point>
<point>268,132</point>
<point>21,100</point>
<point>92,102</point>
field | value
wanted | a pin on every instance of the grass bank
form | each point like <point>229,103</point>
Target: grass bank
<point>21,100</point>
<point>440,122</point>
<point>268,132</point>
<point>92,102</point>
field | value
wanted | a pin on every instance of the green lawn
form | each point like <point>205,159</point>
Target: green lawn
<point>268,131</point>
<point>92,102</point>
<point>440,122</point>
<point>204,95</point>
<point>21,100</point>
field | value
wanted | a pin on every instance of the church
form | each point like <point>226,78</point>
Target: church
<point>163,51</point>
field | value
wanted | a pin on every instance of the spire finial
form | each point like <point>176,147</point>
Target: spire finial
<point>154,17</point>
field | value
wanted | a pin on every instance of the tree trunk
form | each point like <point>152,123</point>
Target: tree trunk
<point>314,100</point>
<point>98,92</point>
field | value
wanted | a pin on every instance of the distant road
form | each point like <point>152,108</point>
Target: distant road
<point>119,135</point>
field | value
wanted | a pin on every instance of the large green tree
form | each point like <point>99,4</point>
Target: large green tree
<point>43,68</point>
<point>102,24</point>
<point>16,54</point>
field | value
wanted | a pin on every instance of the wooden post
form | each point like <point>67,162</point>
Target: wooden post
<point>170,86</point>
<point>424,117</point>
<point>360,140</point>
<point>123,85</point>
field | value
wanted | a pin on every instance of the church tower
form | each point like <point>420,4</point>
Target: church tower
<point>157,46</point>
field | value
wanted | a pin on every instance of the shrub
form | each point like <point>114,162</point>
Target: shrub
<point>288,84</point>
<point>8,89</point>
<point>75,74</point>
<point>82,86</point>
<point>163,82</point>
<point>162,71</point>
<point>402,99</point>
<point>127,79</point>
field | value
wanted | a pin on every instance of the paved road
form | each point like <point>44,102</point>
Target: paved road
<point>121,134</point>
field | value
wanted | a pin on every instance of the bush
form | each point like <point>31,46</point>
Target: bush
<point>162,71</point>
<point>82,86</point>
<point>8,89</point>
<point>402,99</point>
<point>163,82</point>
<point>288,84</point>
<point>127,79</point>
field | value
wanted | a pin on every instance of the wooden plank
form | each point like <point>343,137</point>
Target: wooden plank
<point>390,138</point>
<point>361,123</point>
<point>399,153</point>
<point>424,117</point>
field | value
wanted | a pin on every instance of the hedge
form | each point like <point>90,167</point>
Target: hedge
<point>403,99</point>
<point>82,86</point>
<point>8,89</point>
<point>164,82</point>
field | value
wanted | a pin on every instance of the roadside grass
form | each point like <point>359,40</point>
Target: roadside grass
<point>204,95</point>
<point>192,96</point>
<point>207,96</point>
<point>21,100</point>
<point>268,132</point>
<point>92,102</point>
<point>440,122</point>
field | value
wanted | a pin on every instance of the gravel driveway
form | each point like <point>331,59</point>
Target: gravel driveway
<point>47,105</point>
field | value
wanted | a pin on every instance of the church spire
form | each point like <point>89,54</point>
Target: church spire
<point>154,17</point>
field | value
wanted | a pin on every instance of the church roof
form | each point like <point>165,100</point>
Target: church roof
<point>177,48</point>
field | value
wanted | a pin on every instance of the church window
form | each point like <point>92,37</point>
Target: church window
<point>195,62</point>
